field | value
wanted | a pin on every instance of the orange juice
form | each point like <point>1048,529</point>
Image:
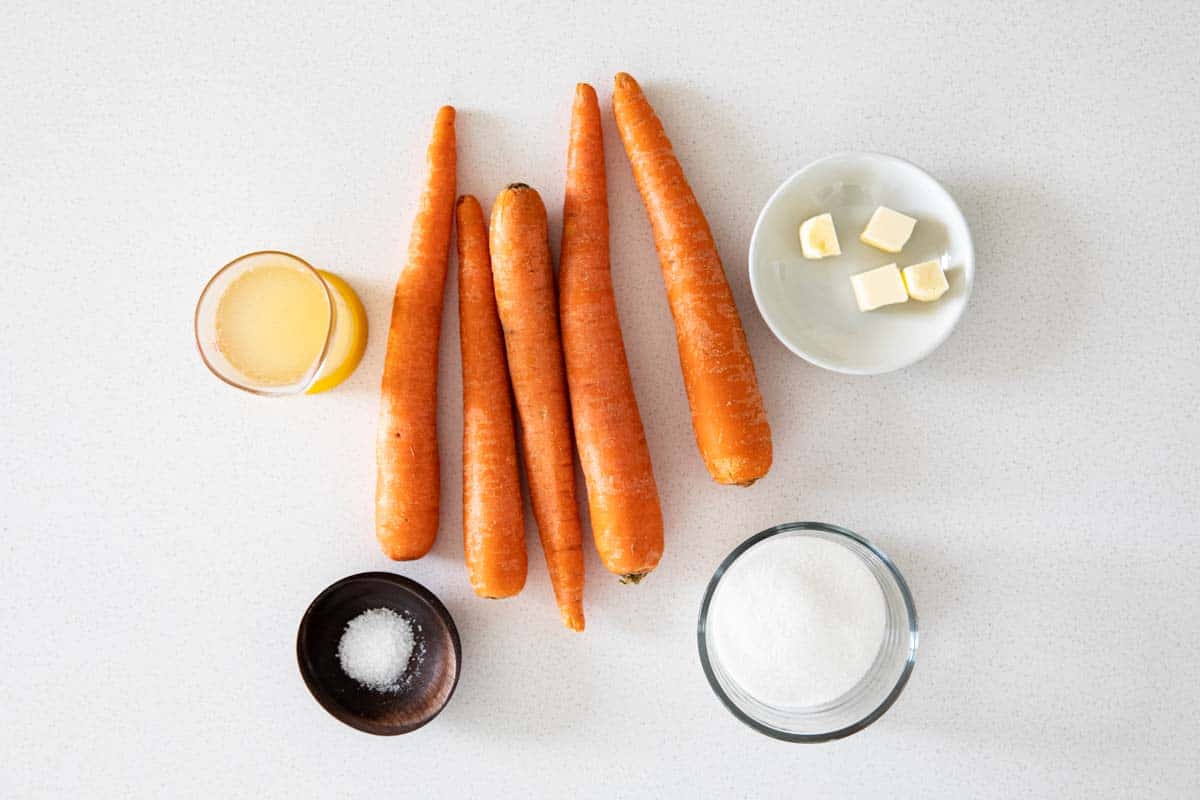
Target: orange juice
<point>271,324</point>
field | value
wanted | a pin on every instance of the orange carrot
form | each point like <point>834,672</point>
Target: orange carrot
<point>407,485</point>
<point>622,496</point>
<point>493,518</point>
<point>728,417</point>
<point>525,297</point>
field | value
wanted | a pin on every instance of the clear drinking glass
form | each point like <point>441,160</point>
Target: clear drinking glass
<point>861,705</point>
<point>344,338</point>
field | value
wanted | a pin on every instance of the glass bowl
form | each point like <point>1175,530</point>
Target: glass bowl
<point>870,697</point>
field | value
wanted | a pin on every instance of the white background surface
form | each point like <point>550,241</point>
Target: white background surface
<point>1035,478</point>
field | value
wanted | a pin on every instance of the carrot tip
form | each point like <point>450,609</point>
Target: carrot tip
<point>402,554</point>
<point>624,80</point>
<point>518,186</point>
<point>633,578</point>
<point>463,198</point>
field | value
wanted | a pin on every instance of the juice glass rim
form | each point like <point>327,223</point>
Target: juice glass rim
<point>300,386</point>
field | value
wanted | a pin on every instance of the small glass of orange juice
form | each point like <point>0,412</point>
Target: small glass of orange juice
<point>272,324</point>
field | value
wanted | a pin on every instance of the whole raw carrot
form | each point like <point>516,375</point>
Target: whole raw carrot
<point>622,496</point>
<point>728,417</point>
<point>493,518</point>
<point>407,485</point>
<point>525,297</point>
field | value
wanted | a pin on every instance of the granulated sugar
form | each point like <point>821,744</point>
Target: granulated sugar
<point>797,621</point>
<point>375,649</point>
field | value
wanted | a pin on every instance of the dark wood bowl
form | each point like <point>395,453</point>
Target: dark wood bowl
<point>382,713</point>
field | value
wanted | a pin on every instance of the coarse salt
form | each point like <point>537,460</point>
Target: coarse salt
<point>797,621</point>
<point>375,649</point>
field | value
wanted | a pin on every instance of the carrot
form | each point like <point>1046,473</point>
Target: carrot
<point>407,484</point>
<point>728,417</point>
<point>493,518</point>
<point>525,297</point>
<point>622,496</point>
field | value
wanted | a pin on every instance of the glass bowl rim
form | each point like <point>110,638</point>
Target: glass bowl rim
<point>314,371</point>
<point>761,727</point>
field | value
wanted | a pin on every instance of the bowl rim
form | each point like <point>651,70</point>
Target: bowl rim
<point>318,690</point>
<point>787,342</point>
<point>807,738</point>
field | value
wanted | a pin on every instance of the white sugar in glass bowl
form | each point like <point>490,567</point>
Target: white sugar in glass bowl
<point>851,683</point>
<point>809,305</point>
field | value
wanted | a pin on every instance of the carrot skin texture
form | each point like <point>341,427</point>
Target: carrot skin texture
<point>407,484</point>
<point>493,517</point>
<point>525,298</point>
<point>728,416</point>
<point>622,495</point>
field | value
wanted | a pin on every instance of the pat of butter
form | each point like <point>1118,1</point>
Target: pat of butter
<point>925,281</point>
<point>878,287</point>
<point>888,230</point>
<point>818,237</point>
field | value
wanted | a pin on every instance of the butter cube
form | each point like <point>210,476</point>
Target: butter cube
<point>878,287</point>
<point>925,281</point>
<point>888,230</point>
<point>818,238</point>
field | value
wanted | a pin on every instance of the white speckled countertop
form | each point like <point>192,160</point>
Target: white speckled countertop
<point>1035,479</point>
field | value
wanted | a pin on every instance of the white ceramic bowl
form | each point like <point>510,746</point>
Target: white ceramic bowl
<point>810,306</point>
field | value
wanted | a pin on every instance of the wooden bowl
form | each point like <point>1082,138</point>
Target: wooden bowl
<point>433,673</point>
